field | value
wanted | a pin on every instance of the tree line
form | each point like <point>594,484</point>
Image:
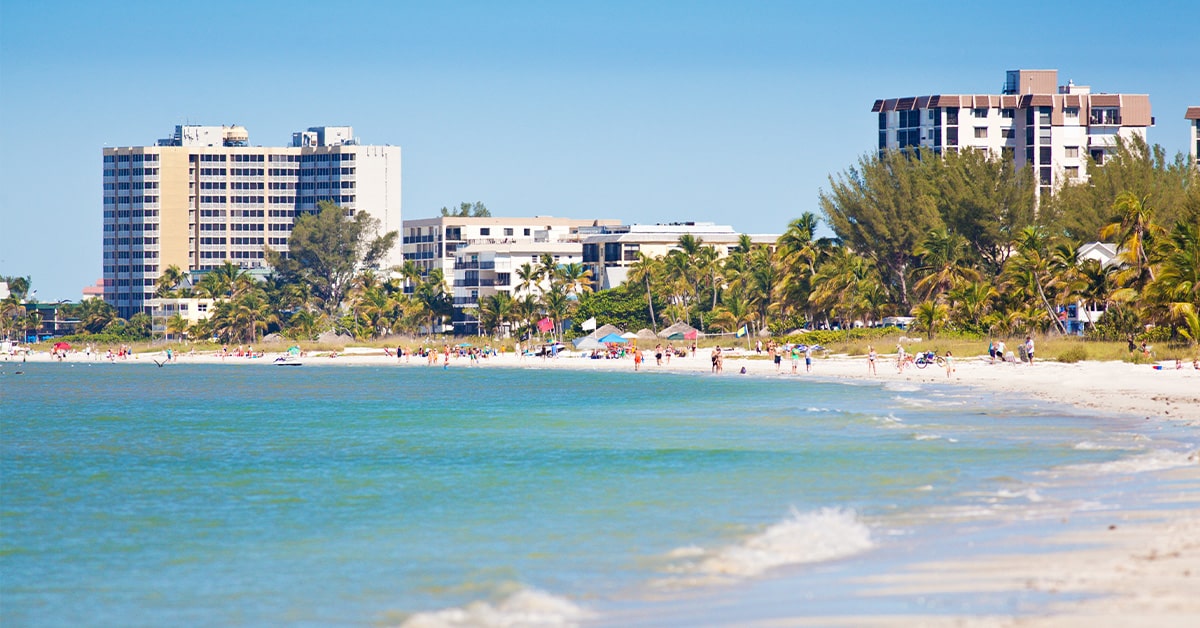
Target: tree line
<point>955,240</point>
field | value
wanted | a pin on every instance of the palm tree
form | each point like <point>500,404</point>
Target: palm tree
<point>1031,269</point>
<point>177,326</point>
<point>971,303</point>
<point>168,281</point>
<point>530,279</point>
<point>930,317</point>
<point>556,304</point>
<point>943,257</point>
<point>1134,229</point>
<point>577,278</point>
<point>1175,291</point>
<point>645,272</point>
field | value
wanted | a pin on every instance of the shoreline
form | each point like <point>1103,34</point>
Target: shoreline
<point>1143,568</point>
<point>1106,386</point>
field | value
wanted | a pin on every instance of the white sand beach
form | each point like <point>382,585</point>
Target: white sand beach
<point>1140,568</point>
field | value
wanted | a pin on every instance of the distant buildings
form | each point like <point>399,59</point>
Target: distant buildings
<point>205,195</point>
<point>1193,114</point>
<point>609,252</point>
<point>1033,121</point>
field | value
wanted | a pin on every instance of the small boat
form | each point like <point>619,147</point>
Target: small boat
<point>288,361</point>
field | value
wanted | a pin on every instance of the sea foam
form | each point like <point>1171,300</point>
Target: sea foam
<point>526,607</point>
<point>810,537</point>
<point>1157,460</point>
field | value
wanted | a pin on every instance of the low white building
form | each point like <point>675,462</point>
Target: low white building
<point>609,251</point>
<point>193,310</point>
<point>1081,315</point>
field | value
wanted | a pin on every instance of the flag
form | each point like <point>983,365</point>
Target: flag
<point>741,332</point>
<point>589,324</point>
<point>545,325</point>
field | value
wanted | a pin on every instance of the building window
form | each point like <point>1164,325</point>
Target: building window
<point>1044,116</point>
<point>1072,172</point>
<point>882,140</point>
<point>508,231</point>
<point>1008,113</point>
<point>1071,112</point>
<point>1045,175</point>
<point>981,132</point>
<point>1106,116</point>
<point>935,115</point>
<point>979,112</point>
<point>882,120</point>
<point>1044,155</point>
<point>952,136</point>
<point>1006,134</point>
<point>952,116</point>
<point>1071,152</point>
<point>485,231</point>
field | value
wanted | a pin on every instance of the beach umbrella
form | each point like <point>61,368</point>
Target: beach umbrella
<point>629,335</point>
<point>587,344</point>
<point>614,339</point>
<point>62,346</point>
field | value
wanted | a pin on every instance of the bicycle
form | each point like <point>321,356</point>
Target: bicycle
<point>926,358</point>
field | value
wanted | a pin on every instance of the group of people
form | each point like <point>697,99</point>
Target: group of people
<point>997,350</point>
<point>795,351</point>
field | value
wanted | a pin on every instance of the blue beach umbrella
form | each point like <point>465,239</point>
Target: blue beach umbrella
<point>614,338</point>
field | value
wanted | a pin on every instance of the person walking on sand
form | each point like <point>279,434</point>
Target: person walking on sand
<point>808,358</point>
<point>795,358</point>
<point>949,364</point>
<point>637,359</point>
<point>1029,348</point>
<point>871,360</point>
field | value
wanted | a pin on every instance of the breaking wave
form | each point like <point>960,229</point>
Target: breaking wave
<point>809,537</point>
<point>526,607</point>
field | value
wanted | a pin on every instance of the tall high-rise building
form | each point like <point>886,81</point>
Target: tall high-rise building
<point>1193,114</point>
<point>205,195</point>
<point>1034,121</point>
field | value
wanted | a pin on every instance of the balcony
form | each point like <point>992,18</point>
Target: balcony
<point>474,265</point>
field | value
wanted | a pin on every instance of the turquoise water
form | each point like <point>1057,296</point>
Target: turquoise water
<point>216,495</point>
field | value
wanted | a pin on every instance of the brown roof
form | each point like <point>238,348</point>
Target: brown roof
<point>1193,113</point>
<point>1135,110</point>
<point>1105,100</point>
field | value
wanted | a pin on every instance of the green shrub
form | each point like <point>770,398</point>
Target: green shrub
<point>1072,355</point>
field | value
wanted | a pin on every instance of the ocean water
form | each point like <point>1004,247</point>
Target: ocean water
<point>254,495</point>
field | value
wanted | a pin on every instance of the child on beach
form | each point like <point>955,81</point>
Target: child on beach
<point>871,360</point>
<point>949,364</point>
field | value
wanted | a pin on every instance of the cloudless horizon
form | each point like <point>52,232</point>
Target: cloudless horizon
<point>728,112</point>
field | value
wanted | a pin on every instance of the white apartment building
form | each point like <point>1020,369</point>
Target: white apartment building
<point>484,269</point>
<point>433,242</point>
<point>1034,121</point>
<point>609,251</point>
<point>205,195</point>
<point>1193,114</point>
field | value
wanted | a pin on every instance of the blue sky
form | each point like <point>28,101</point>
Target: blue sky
<point>730,112</point>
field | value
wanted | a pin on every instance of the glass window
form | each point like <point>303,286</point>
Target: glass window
<point>979,112</point>
<point>1071,152</point>
<point>981,132</point>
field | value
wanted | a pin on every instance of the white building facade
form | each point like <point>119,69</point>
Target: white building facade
<point>205,195</point>
<point>1035,122</point>
<point>609,251</point>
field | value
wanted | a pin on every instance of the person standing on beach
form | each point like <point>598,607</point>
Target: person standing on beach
<point>900,357</point>
<point>808,358</point>
<point>715,356</point>
<point>1029,348</point>
<point>949,364</point>
<point>795,358</point>
<point>871,360</point>
<point>637,359</point>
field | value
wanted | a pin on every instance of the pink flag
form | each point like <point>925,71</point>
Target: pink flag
<point>545,324</point>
